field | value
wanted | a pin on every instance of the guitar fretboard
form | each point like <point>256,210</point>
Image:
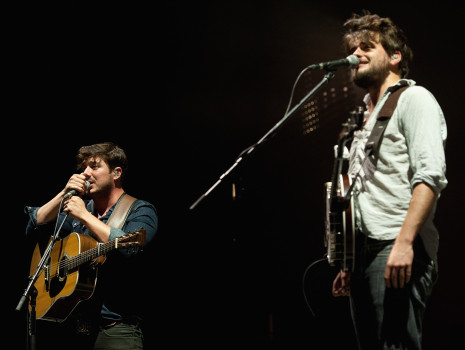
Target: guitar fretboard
<point>90,254</point>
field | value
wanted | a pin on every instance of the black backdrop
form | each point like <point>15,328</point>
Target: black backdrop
<point>184,87</point>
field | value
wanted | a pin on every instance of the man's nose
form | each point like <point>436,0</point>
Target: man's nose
<point>358,52</point>
<point>87,172</point>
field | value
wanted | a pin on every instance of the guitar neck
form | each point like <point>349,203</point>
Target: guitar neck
<point>91,254</point>
<point>337,170</point>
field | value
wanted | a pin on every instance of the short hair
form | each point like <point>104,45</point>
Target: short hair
<point>109,152</point>
<point>367,26</point>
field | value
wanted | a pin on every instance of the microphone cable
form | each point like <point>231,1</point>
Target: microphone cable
<point>304,276</point>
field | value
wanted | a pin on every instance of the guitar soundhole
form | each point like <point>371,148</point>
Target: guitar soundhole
<point>63,268</point>
<point>56,285</point>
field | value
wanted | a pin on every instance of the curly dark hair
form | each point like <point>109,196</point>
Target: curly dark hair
<point>110,153</point>
<point>367,27</point>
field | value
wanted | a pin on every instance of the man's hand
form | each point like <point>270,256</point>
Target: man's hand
<point>341,284</point>
<point>399,265</point>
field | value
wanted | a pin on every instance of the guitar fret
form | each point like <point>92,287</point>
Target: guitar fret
<point>88,255</point>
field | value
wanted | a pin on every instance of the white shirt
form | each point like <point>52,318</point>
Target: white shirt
<point>412,151</point>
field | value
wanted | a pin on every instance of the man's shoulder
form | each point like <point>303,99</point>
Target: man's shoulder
<point>142,203</point>
<point>416,93</point>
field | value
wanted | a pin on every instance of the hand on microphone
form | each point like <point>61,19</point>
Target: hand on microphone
<point>72,201</point>
<point>77,185</point>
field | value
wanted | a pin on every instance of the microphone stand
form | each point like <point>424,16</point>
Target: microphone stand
<point>31,290</point>
<point>329,75</point>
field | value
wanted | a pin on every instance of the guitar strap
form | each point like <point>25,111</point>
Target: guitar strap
<point>121,211</point>
<point>374,141</point>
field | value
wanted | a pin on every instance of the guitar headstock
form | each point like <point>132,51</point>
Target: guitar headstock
<point>355,120</point>
<point>353,123</point>
<point>131,239</point>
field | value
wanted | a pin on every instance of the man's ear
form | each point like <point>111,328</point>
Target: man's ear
<point>396,57</point>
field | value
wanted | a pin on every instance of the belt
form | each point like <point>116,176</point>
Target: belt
<point>110,325</point>
<point>132,320</point>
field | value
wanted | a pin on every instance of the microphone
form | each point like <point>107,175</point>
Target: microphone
<point>74,192</point>
<point>351,61</point>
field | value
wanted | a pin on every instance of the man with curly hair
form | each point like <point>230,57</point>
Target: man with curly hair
<point>395,193</point>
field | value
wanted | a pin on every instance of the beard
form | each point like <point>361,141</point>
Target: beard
<point>374,76</point>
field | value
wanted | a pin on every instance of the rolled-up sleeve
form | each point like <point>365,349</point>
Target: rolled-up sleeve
<point>31,212</point>
<point>32,225</point>
<point>425,131</point>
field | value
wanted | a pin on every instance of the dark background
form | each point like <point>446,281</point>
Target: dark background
<point>184,87</point>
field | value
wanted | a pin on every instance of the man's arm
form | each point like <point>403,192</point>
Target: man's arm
<point>399,265</point>
<point>49,211</point>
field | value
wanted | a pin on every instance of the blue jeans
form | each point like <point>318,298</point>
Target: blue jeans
<point>120,337</point>
<point>123,336</point>
<point>388,318</point>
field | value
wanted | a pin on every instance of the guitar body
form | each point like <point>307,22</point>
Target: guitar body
<point>340,227</point>
<point>70,274</point>
<point>61,289</point>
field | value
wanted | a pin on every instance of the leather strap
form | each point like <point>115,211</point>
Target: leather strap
<point>121,211</point>
<point>384,115</point>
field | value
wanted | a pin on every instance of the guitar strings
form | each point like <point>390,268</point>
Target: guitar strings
<point>76,260</point>
<point>87,255</point>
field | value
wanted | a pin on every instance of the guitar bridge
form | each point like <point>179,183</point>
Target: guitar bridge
<point>47,275</point>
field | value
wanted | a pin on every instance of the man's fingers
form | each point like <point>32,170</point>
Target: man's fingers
<point>401,277</point>
<point>387,277</point>
<point>408,274</point>
<point>397,277</point>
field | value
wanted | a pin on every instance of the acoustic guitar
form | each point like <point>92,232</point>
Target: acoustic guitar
<point>70,274</point>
